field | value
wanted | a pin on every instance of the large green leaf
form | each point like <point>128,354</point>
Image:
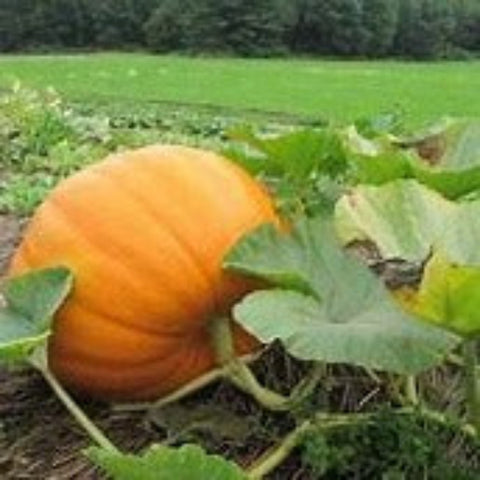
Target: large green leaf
<point>451,166</point>
<point>31,300</point>
<point>300,153</point>
<point>329,307</point>
<point>462,145</point>
<point>392,165</point>
<point>381,168</point>
<point>188,462</point>
<point>303,167</point>
<point>406,220</point>
<point>449,295</point>
<point>451,144</point>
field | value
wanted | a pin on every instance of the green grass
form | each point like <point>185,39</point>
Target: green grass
<point>336,90</point>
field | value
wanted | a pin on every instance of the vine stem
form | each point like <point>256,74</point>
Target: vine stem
<point>239,373</point>
<point>187,389</point>
<point>274,457</point>
<point>472,382</point>
<point>411,391</point>
<point>39,361</point>
<point>243,378</point>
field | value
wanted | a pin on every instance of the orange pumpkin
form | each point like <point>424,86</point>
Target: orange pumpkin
<point>144,233</point>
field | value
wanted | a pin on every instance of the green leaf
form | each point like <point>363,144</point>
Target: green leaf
<point>449,296</point>
<point>451,165</point>
<point>304,168</point>
<point>299,153</point>
<point>381,168</point>
<point>380,125</point>
<point>388,166</point>
<point>31,300</point>
<point>463,145</point>
<point>452,184</point>
<point>450,144</point>
<point>406,220</point>
<point>188,462</point>
<point>329,307</point>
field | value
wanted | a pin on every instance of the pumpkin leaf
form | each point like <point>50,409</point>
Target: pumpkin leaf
<point>446,158</point>
<point>463,145</point>
<point>452,184</point>
<point>304,167</point>
<point>406,220</point>
<point>31,300</point>
<point>189,462</point>
<point>383,167</point>
<point>298,154</point>
<point>453,144</point>
<point>449,296</point>
<point>393,165</point>
<point>327,306</point>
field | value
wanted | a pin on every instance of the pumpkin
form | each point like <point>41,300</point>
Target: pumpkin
<point>144,233</point>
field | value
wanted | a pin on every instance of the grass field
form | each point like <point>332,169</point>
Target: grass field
<point>336,90</point>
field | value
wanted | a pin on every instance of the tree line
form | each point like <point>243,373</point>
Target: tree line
<point>422,29</point>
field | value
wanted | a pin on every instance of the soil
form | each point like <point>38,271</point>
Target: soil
<point>10,229</point>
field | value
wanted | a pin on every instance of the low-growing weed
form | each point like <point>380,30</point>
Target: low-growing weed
<point>393,446</point>
<point>21,194</point>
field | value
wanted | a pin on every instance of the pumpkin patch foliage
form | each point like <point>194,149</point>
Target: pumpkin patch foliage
<point>157,271</point>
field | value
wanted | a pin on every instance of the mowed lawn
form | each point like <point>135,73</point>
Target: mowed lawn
<point>339,90</point>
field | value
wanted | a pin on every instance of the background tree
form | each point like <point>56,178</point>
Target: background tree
<point>166,28</point>
<point>245,27</point>
<point>328,27</point>
<point>425,28</point>
<point>379,22</point>
<point>467,24</point>
<point>422,29</point>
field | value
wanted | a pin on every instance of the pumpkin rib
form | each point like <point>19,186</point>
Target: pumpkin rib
<point>116,320</point>
<point>258,210</point>
<point>170,230</point>
<point>86,358</point>
<point>156,374</point>
<point>198,357</point>
<point>215,177</point>
<point>255,192</point>
<point>98,359</point>
<point>119,260</point>
<point>99,251</point>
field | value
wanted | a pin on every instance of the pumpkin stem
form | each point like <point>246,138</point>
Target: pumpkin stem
<point>243,378</point>
<point>40,362</point>
<point>222,340</point>
<point>237,372</point>
<point>187,389</point>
